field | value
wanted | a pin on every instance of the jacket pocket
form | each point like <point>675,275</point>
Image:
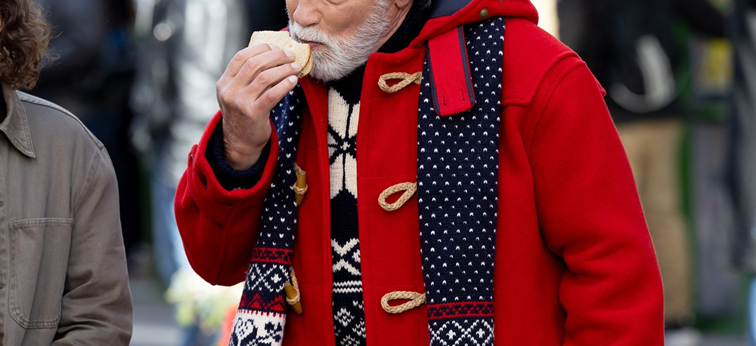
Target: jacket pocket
<point>38,261</point>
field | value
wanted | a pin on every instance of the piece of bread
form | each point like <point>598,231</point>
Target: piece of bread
<point>283,41</point>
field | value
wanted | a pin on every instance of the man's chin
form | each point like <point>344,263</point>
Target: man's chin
<point>324,76</point>
<point>327,73</point>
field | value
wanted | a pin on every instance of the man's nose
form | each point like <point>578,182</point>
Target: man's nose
<point>307,13</point>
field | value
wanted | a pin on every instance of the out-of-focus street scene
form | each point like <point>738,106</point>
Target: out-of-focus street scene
<point>680,83</point>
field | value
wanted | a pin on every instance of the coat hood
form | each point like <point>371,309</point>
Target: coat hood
<point>447,14</point>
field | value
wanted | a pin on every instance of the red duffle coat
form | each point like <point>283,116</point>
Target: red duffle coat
<point>574,260</point>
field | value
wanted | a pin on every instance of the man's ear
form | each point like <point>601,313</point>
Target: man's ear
<point>401,4</point>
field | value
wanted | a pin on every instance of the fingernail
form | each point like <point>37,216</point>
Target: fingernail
<point>295,65</point>
<point>288,53</point>
<point>272,47</point>
<point>292,79</point>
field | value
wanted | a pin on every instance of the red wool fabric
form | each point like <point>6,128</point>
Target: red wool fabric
<point>574,260</point>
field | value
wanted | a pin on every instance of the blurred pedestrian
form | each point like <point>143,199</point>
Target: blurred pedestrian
<point>631,48</point>
<point>184,46</point>
<point>92,76</point>
<point>742,159</point>
<point>65,280</point>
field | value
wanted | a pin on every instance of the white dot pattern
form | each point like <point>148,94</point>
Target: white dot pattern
<point>262,310</point>
<point>278,226</point>
<point>458,162</point>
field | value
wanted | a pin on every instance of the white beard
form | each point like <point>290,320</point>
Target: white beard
<point>340,56</point>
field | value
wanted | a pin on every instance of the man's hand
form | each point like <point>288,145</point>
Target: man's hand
<point>256,79</point>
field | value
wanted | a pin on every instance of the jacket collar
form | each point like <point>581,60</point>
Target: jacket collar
<point>15,125</point>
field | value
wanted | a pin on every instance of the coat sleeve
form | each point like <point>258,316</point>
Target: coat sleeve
<point>96,307</point>
<point>218,227</point>
<point>590,215</point>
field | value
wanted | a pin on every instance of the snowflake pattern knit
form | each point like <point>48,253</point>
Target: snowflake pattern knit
<point>261,316</point>
<point>343,119</point>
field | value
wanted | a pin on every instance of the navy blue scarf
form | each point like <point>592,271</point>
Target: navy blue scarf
<point>457,173</point>
<point>457,201</point>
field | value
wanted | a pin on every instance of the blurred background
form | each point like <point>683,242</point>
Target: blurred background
<point>681,86</point>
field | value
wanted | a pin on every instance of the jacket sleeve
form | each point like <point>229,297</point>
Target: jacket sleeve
<point>590,216</point>
<point>96,307</point>
<point>218,227</point>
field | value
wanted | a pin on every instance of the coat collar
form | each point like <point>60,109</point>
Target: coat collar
<point>15,125</point>
<point>443,8</point>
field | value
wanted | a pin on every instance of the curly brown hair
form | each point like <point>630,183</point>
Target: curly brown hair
<point>24,35</point>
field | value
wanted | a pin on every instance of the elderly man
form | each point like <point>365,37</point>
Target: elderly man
<point>63,280</point>
<point>526,228</point>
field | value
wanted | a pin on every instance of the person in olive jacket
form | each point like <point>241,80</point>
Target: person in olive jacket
<point>63,276</point>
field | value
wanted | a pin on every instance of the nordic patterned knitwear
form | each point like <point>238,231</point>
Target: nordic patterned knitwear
<point>458,163</point>
<point>261,316</point>
<point>343,120</point>
<point>457,201</point>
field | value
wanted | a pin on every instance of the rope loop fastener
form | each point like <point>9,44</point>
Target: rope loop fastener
<point>415,299</point>
<point>409,190</point>
<point>405,80</point>
<point>292,293</point>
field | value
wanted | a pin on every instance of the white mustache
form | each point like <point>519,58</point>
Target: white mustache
<point>302,33</point>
